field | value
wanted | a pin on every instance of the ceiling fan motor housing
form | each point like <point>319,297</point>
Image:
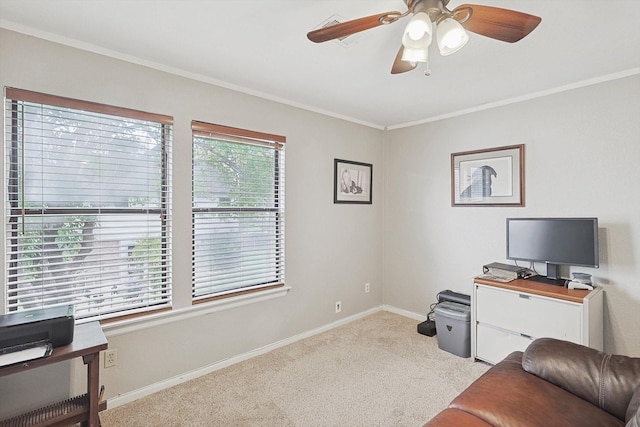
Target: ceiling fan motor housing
<point>436,9</point>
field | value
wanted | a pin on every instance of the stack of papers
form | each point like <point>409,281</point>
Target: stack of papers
<point>24,352</point>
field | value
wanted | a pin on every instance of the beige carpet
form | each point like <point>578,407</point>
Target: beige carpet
<point>376,371</point>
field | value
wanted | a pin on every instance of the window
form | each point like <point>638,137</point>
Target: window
<point>237,211</point>
<point>86,206</point>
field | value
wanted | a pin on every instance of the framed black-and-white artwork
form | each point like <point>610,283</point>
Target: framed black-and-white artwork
<point>352,182</point>
<point>489,177</point>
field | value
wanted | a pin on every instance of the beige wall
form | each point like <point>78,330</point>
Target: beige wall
<point>332,250</point>
<point>582,151</point>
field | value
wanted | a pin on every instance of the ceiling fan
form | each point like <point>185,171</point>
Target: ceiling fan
<point>493,22</point>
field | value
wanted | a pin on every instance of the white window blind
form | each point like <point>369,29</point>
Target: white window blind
<point>237,211</point>
<point>86,206</point>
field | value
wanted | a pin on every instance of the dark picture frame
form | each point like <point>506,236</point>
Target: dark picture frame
<point>488,177</point>
<point>352,182</point>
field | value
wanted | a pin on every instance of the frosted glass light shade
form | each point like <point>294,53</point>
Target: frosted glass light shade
<point>415,55</point>
<point>451,36</point>
<point>417,38</point>
<point>418,26</point>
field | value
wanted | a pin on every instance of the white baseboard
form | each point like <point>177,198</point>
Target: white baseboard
<point>170,382</point>
<point>405,313</point>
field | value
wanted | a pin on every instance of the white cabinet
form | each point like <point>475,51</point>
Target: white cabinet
<point>506,317</point>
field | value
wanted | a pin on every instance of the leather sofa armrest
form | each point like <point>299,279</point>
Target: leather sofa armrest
<point>633,411</point>
<point>607,381</point>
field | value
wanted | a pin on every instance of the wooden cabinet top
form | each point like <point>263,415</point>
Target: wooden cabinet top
<point>537,288</point>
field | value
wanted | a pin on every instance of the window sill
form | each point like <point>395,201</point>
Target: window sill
<point>131,325</point>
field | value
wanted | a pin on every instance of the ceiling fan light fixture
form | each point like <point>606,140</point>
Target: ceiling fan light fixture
<point>451,36</point>
<point>414,56</point>
<point>418,26</point>
<point>417,38</point>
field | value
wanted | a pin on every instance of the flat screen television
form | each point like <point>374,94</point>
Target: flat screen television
<point>554,241</point>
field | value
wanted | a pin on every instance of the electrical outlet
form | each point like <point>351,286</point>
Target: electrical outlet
<point>367,288</point>
<point>110,358</point>
<point>338,306</point>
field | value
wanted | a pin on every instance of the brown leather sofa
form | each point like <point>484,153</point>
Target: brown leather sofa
<point>553,383</point>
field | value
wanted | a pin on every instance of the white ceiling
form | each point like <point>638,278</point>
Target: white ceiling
<point>260,47</point>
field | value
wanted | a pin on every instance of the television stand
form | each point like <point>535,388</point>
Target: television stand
<point>546,280</point>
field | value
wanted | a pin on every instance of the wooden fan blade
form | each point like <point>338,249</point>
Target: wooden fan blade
<point>347,28</point>
<point>500,24</point>
<point>400,66</point>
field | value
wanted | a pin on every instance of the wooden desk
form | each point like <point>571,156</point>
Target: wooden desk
<point>88,342</point>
